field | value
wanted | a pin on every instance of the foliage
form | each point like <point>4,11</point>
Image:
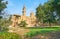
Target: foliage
<point>40,13</point>
<point>22,24</point>
<point>4,23</point>
<point>7,35</point>
<point>45,13</point>
<point>56,6</point>
<point>2,6</point>
<point>3,28</point>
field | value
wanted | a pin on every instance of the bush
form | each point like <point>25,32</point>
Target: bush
<point>3,28</point>
<point>7,35</point>
<point>22,24</point>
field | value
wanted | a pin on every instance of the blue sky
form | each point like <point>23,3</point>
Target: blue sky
<point>15,6</point>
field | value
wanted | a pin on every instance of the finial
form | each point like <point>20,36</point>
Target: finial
<point>24,6</point>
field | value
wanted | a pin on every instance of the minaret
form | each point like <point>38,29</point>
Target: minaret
<point>24,11</point>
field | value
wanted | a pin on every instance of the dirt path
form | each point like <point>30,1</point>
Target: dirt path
<point>22,31</point>
<point>18,30</point>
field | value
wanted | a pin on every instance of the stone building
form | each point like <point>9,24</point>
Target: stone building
<point>30,20</point>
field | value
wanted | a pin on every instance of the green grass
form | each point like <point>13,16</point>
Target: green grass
<point>7,35</point>
<point>36,31</point>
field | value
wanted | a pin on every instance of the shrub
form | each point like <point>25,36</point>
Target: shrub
<point>22,24</point>
<point>7,35</point>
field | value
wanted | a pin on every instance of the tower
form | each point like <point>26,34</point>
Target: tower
<point>32,14</point>
<point>24,11</point>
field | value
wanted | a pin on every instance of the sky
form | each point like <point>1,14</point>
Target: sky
<point>15,6</point>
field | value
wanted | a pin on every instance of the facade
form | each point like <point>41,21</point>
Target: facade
<point>30,20</point>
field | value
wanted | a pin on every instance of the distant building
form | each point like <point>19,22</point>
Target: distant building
<point>30,20</point>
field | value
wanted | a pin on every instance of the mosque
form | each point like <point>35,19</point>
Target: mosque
<point>30,20</point>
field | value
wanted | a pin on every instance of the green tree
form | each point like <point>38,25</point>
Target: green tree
<point>40,13</point>
<point>53,6</point>
<point>56,6</point>
<point>2,6</point>
<point>2,21</point>
<point>49,15</point>
<point>45,14</point>
<point>22,24</point>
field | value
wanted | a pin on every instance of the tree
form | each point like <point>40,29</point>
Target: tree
<point>45,14</point>
<point>2,21</point>
<point>22,24</point>
<point>2,6</point>
<point>49,16</point>
<point>40,13</point>
<point>56,6</point>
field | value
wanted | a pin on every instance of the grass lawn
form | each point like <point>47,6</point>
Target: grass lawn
<point>32,31</point>
<point>41,30</point>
